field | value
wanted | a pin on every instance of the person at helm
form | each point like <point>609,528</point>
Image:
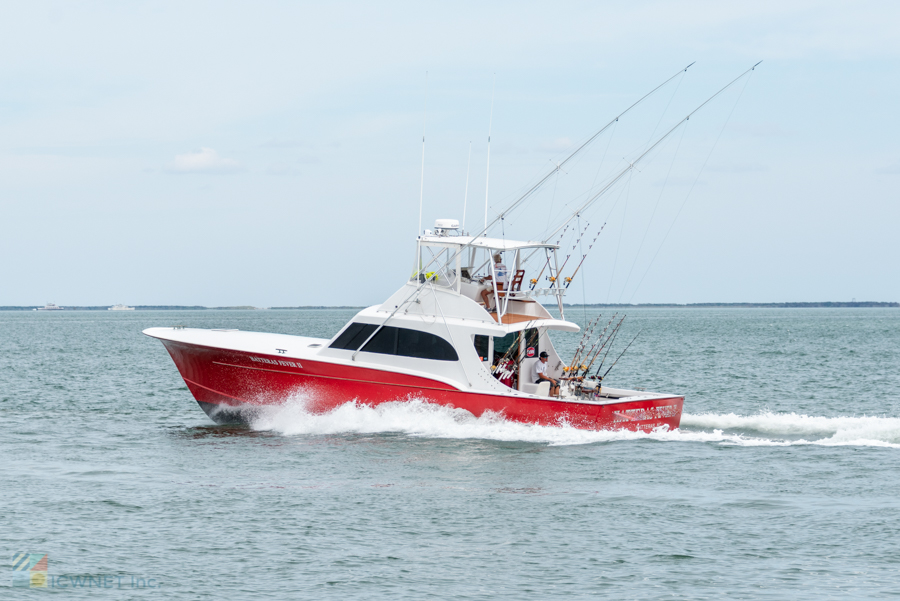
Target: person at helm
<point>499,279</point>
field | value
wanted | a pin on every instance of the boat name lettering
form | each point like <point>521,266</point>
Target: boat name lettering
<point>276,362</point>
<point>628,415</point>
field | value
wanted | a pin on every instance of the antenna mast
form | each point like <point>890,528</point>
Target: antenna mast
<point>422,182</point>
<point>487,183</point>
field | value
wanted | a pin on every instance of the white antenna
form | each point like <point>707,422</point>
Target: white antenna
<point>466,198</point>
<point>487,183</point>
<point>422,183</point>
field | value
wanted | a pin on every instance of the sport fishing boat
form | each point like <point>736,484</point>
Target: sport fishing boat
<point>448,336</point>
<point>433,340</point>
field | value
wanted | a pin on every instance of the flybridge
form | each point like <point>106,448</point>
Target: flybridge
<point>468,265</point>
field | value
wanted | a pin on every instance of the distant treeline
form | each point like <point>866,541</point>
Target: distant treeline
<point>743,305</point>
<point>597,305</point>
<point>168,308</point>
<point>319,307</point>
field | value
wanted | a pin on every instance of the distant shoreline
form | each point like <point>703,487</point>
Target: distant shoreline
<point>827,304</point>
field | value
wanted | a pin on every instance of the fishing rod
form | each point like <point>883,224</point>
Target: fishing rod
<point>584,256</point>
<point>581,367</point>
<point>609,345</point>
<point>583,343</point>
<point>631,165</point>
<point>620,356</point>
<point>608,342</point>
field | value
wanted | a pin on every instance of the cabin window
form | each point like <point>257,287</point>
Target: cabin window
<point>482,346</point>
<point>384,342</point>
<point>414,343</point>
<point>509,345</point>
<point>351,338</point>
<point>396,341</point>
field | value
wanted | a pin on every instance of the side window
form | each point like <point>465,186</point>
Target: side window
<point>422,345</point>
<point>384,342</point>
<point>396,341</point>
<point>482,347</point>
<point>509,345</point>
<point>353,336</point>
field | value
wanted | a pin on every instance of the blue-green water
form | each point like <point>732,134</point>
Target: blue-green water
<point>783,482</point>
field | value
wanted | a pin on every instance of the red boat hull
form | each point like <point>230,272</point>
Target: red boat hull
<point>229,384</point>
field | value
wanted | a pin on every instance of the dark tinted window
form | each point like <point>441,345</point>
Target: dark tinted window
<point>396,341</point>
<point>413,343</point>
<point>353,336</point>
<point>481,346</point>
<point>384,342</point>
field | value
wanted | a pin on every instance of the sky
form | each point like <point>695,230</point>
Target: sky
<point>270,153</point>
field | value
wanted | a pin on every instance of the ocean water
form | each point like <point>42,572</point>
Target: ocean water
<point>782,483</point>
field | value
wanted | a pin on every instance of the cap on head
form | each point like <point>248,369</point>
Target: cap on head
<point>544,355</point>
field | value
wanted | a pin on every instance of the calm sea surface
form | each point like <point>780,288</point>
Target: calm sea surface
<point>783,482</point>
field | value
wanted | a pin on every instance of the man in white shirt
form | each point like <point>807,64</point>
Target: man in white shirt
<point>499,278</point>
<point>539,370</point>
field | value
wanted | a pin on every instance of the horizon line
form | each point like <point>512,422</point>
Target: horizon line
<point>745,304</point>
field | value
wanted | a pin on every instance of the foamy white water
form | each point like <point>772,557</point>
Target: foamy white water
<point>427,420</point>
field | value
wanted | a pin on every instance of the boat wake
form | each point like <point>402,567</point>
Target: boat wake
<point>426,420</point>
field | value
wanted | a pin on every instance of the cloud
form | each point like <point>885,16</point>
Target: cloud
<point>205,161</point>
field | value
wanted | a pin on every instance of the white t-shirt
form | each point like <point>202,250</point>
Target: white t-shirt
<point>539,368</point>
<point>500,274</point>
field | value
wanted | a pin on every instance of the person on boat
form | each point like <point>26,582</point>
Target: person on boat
<point>499,279</point>
<point>540,375</point>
